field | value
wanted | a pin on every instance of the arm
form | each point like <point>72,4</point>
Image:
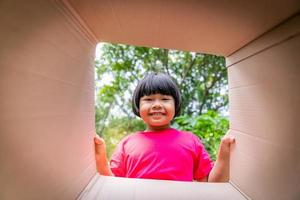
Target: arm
<point>103,167</point>
<point>220,171</point>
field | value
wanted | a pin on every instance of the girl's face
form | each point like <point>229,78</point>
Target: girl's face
<point>157,111</point>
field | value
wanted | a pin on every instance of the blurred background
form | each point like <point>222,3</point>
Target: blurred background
<point>201,78</point>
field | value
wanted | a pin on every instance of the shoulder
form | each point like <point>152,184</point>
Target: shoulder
<point>188,134</point>
<point>193,138</point>
<point>130,137</point>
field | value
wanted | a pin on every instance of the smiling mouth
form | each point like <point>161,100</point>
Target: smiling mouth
<point>157,114</point>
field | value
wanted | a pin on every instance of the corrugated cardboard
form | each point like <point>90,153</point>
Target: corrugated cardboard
<point>47,93</point>
<point>103,187</point>
<point>46,103</point>
<point>264,85</point>
<point>205,26</point>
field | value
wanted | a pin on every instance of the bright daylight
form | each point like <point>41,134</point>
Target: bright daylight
<point>201,78</point>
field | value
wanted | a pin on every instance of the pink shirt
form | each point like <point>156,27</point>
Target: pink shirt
<point>168,155</point>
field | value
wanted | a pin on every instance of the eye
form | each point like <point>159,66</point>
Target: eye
<point>166,99</point>
<point>147,99</point>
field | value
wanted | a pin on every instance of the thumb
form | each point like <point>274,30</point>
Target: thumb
<point>100,147</point>
<point>98,140</point>
<point>228,138</point>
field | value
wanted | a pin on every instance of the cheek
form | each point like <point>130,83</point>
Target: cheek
<point>171,110</point>
<point>144,116</point>
<point>143,111</point>
<point>172,107</point>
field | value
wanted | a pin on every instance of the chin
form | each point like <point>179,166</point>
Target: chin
<point>159,124</point>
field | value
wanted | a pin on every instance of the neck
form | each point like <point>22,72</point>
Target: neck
<point>157,128</point>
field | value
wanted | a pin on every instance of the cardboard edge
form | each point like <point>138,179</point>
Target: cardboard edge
<point>280,33</point>
<point>92,190</point>
<point>88,187</point>
<point>239,190</point>
<point>69,12</point>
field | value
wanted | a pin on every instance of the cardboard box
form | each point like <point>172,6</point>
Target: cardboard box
<point>47,93</point>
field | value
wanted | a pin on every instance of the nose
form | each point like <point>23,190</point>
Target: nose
<point>156,104</point>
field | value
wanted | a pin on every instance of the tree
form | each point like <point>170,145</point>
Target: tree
<point>202,80</point>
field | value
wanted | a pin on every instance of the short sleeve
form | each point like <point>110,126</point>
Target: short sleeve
<point>203,163</point>
<point>117,164</point>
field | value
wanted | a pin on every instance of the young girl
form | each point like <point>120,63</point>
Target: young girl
<point>161,152</point>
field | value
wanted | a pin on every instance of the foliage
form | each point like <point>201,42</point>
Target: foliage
<point>202,78</point>
<point>209,127</point>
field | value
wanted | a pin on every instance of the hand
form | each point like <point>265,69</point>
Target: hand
<point>100,145</point>
<point>220,171</point>
<point>224,149</point>
<point>100,156</point>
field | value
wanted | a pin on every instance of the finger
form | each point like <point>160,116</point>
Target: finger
<point>232,139</point>
<point>100,149</point>
<point>98,140</point>
<point>228,140</point>
<point>225,141</point>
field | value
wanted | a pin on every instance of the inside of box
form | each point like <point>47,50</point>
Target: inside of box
<point>47,93</point>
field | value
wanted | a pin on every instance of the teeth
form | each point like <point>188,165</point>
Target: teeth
<point>157,114</point>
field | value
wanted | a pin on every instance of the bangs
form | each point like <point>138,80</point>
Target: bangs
<point>156,85</point>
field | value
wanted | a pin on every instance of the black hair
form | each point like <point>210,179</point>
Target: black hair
<point>155,83</point>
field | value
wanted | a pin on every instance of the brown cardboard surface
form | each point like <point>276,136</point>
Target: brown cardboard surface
<point>47,94</point>
<point>286,30</point>
<point>217,27</point>
<point>104,187</point>
<point>47,102</point>
<point>265,89</point>
<point>264,116</point>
